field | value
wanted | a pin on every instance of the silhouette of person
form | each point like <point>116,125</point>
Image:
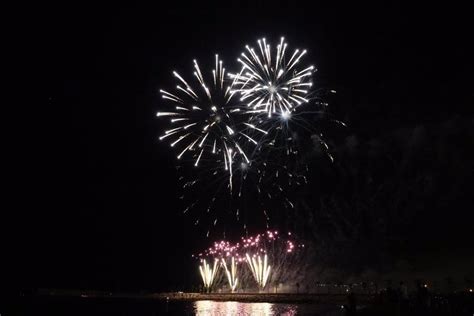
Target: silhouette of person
<point>350,308</point>
<point>403,297</point>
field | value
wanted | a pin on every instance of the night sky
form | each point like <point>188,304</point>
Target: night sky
<point>95,192</point>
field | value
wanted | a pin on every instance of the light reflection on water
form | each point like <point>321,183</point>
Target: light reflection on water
<point>212,308</point>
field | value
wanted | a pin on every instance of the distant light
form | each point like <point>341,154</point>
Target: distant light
<point>470,290</point>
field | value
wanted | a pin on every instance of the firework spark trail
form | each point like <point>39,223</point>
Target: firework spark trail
<point>202,122</point>
<point>283,251</point>
<point>272,86</point>
<point>208,274</point>
<point>232,274</point>
<point>260,269</point>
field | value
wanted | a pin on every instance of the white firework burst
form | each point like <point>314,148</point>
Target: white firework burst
<point>272,82</point>
<point>202,120</point>
<point>245,131</point>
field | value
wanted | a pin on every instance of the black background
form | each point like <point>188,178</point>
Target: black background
<point>94,192</point>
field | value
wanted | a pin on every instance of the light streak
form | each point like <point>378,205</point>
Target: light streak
<point>260,269</point>
<point>232,274</point>
<point>207,273</point>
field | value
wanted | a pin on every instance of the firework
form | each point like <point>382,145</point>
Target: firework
<point>208,274</point>
<point>232,274</point>
<point>261,243</point>
<point>260,269</point>
<point>248,133</point>
<point>223,249</point>
<point>270,82</point>
<point>283,251</point>
<point>202,120</point>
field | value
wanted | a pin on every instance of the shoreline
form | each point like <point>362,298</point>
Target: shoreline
<point>193,296</point>
<point>260,297</point>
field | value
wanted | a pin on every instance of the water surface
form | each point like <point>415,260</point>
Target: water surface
<point>136,307</point>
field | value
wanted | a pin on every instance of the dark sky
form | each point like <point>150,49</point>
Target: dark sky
<point>95,192</point>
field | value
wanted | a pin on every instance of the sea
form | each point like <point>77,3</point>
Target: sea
<point>72,307</point>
